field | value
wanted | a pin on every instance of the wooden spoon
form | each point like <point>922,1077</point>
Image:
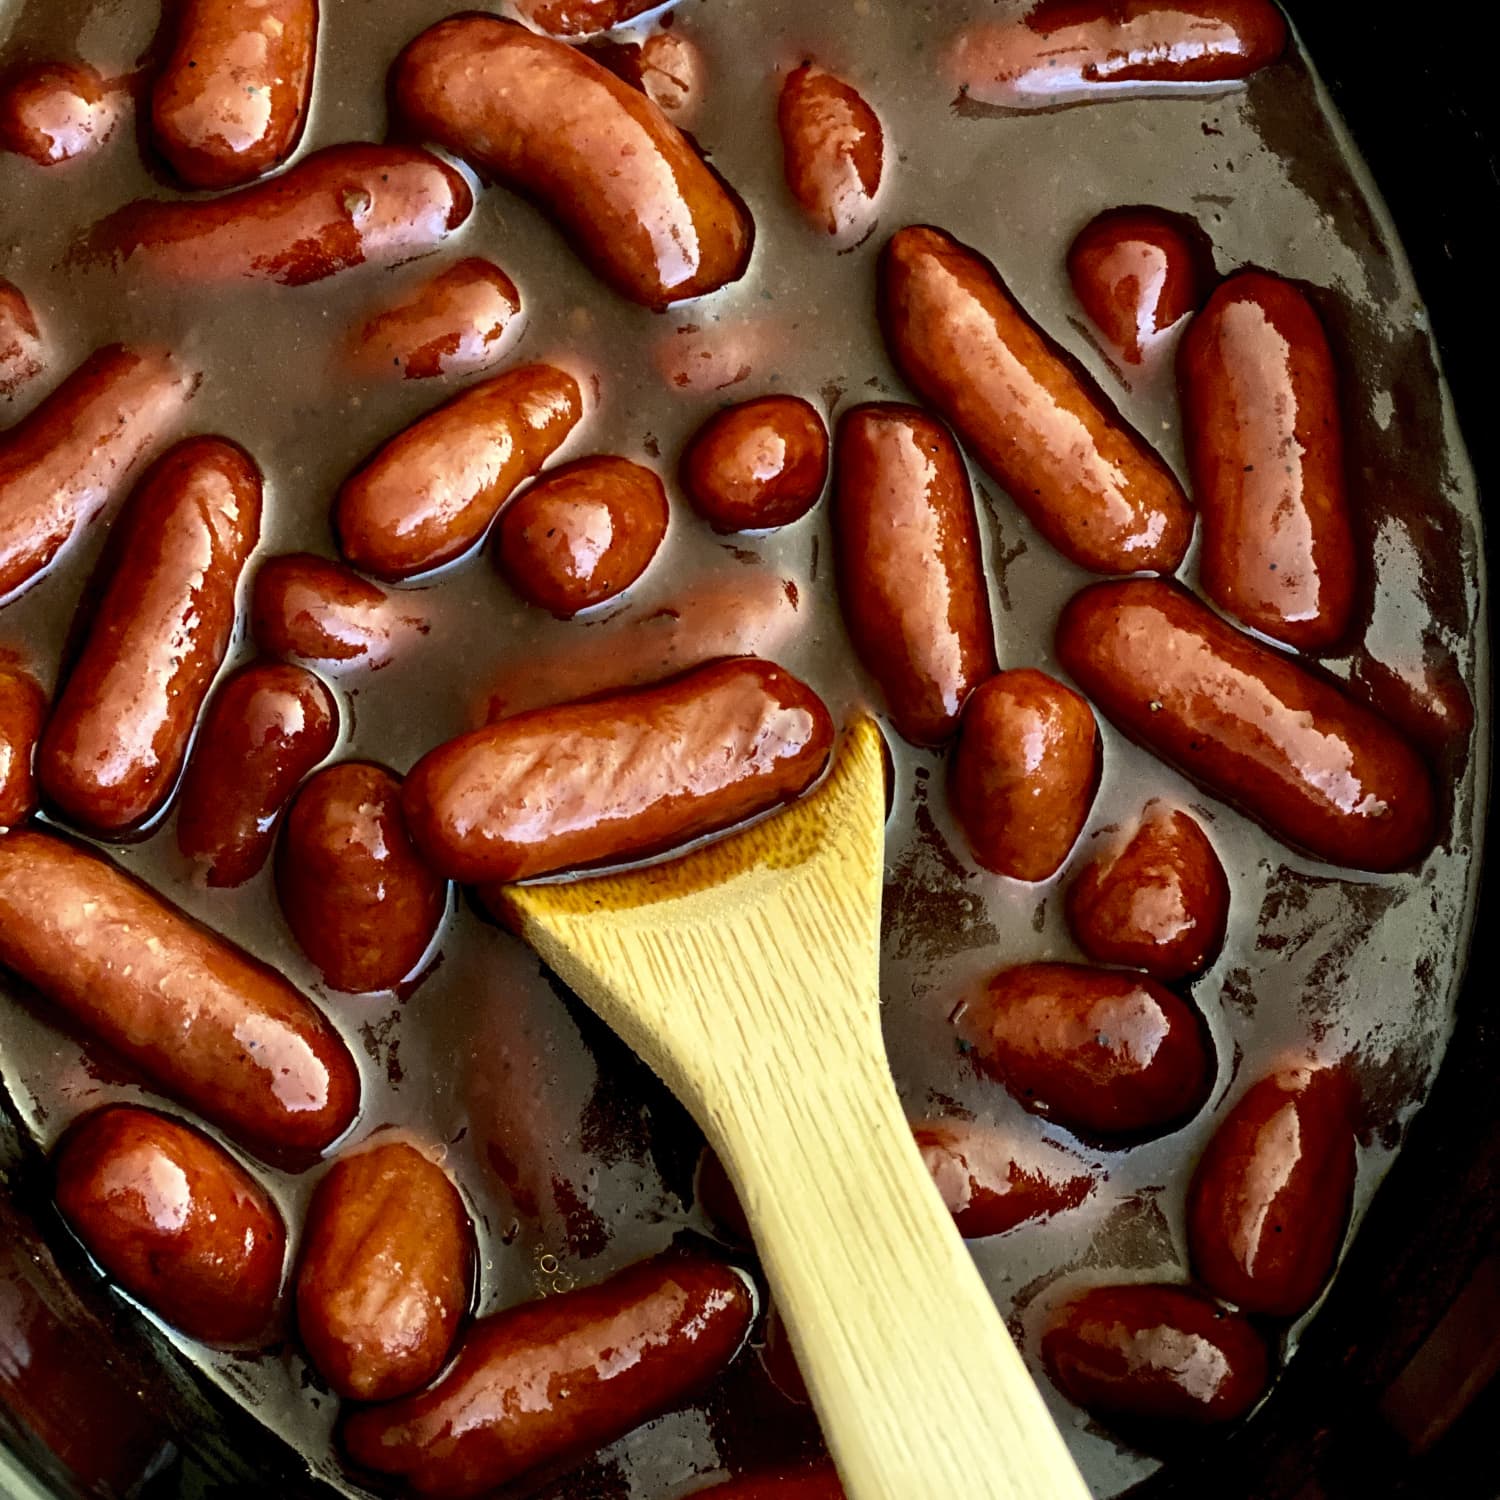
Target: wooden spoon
<point>747,974</point>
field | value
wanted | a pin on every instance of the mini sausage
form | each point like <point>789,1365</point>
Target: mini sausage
<point>1105,1054</point>
<point>758,465</point>
<point>23,710</point>
<point>231,99</point>
<point>175,1220</point>
<point>582,534</point>
<point>265,729</point>
<point>818,1481</point>
<point>633,196</point>
<point>833,151</point>
<point>120,729</point>
<point>1286,747</point>
<point>579,17</point>
<point>1075,51</point>
<point>667,67</point>
<point>751,611</point>
<point>1024,774</point>
<point>1033,417</point>
<point>910,570</point>
<point>1270,1200</point>
<point>202,1020</point>
<point>318,611</point>
<point>561,1377</point>
<point>1157,899</point>
<point>1265,441</point>
<point>432,491</point>
<point>386,1272</point>
<point>1139,272</point>
<point>361,904</point>
<point>20,339</point>
<point>617,777</point>
<point>1155,1356</point>
<point>992,1184</point>
<point>57,111</point>
<point>75,453</point>
<point>340,207</point>
<point>452,324</point>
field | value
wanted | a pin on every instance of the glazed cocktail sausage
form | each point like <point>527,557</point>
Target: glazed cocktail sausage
<point>23,710</point>
<point>120,728</point>
<point>1023,776</point>
<point>833,149</point>
<point>57,111</point>
<point>202,1020</point>
<point>385,1273</point>
<point>636,200</point>
<point>910,570</point>
<point>453,324</point>
<point>1269,1202</point>
<point>341,207</point>
<point>582,534</point>
<point>20,339</point>
<point>1139,272</point>
<point>361,904</point>
<point>1156,899</point>
<point>431,493</point>
<point>1032,416</point>
<point>265,729</point>
<point>60,466</point>
<point>561,1377</point>
<point>318,611</point>
<point>176,1220</point>
<point>667,67</point>
<point>1154,1355</point>
<point>1104,1053</point>
<point>1066,51</point>
<point>231,99</point>
<point>1265,440</point>
<point>757,465</point>
<point>1250,725</point>
<point>617,777</point>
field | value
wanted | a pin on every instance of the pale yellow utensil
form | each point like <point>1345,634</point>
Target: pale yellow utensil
<point>746,974</point>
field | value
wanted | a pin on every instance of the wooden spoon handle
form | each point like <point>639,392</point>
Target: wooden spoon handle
<point>919,1388</point>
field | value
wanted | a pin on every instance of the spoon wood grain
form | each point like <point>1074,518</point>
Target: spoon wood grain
<point>746,973</point>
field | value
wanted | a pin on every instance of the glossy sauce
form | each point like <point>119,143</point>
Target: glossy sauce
<point>608,1150</point>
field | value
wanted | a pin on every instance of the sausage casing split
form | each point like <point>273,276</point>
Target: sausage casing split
<point>1265,441</point>
<point>264,730</point>
<point>361,904</point>
<point>1032,416</point>
<point>202,1020</point>
<point>910,569</point>
<point>432,491</point>
<point>341,207</point>
<point>617,777</point>
<point>635,199</point>
<point>119,732</point>
<point>61,465</point>
<point>231,99</point>
<point>385,1272</point>
<point>561,1377</point>
<point>175,1220</point>
<point>1252,726</point>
